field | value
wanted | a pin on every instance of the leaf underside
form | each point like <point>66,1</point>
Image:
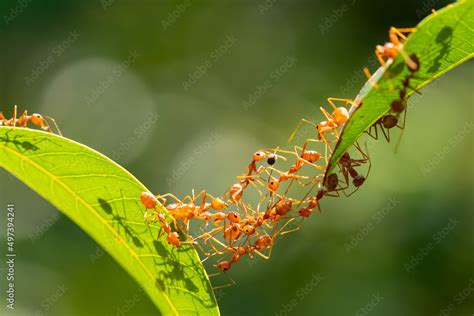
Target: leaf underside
<point>103,199</point>
<point>441,42</point>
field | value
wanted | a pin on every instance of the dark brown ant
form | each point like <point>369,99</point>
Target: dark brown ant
<point>397,107</point>
<point>347,165</point>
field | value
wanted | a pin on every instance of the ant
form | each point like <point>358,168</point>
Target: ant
<point>181,211</point>
<point>236,191</point>
<point>24,119</point>
<point>347,165</point>
<point>331,185</point>
<point>391,49</point>
<point>333,121</point>
<point>150,202</point>
<point>397,107</point>
<point>261,243</point>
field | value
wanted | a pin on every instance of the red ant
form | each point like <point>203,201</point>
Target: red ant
<point>182,211</point>
<point>24,119</point>
<point>150,202</point>
<point>261,243</point>
<point>333,121</point>
<point>391,49</point>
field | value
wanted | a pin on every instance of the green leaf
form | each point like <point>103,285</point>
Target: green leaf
<point>441,42</point>
<point>104,200</point>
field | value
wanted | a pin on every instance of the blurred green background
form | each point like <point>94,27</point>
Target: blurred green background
<point>183,92</point>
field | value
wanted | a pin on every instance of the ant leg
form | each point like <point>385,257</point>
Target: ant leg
<point>404,118</point>
<point>171,195</point>
<point>410,63</point>
<point>293,229</point>
<point>203,193</point>
<point>282,232</point>
<point>369,132</point>
<point>380,58</point>
<point>369,77</point>
<point>398,32</point>
<point>326,113</point>
<point>345,173</point>
<point>348,195</point>
<point>260,254</point>
<point>402,127</point>
<point>343,188</point>
<point>23,119</point>
<point>395,35</point>
<point>310,140</point>
<point>260,202</point>
<point>14,115</point>
<point>55,125</point>
<point>251,180</point>
<point>203,200</point>
<point>244,207</point>
<point>335,194</point>
<point>232,282</point>
<point>330,101</point>
<point>298,127</point>
<point>365,155</point>
<point>327,147</point>
<point>386,134</point>
<point>209,234</point>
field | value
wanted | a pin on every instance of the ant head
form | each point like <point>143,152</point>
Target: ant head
<point>388,50</point>
<point>389,121</point>
<point>37,119</point>
<point>358,180</point>
<point>173,239</point>
<point>249,230</point>
<point>259,155</point>
<point>273,184</point>
<point>233,217</point>
<point>148,200</point>
<point>305,212</point>
<point>321,125</point>
<point>224,266</point>
<point>271,160</point>
<point>380,49</point>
